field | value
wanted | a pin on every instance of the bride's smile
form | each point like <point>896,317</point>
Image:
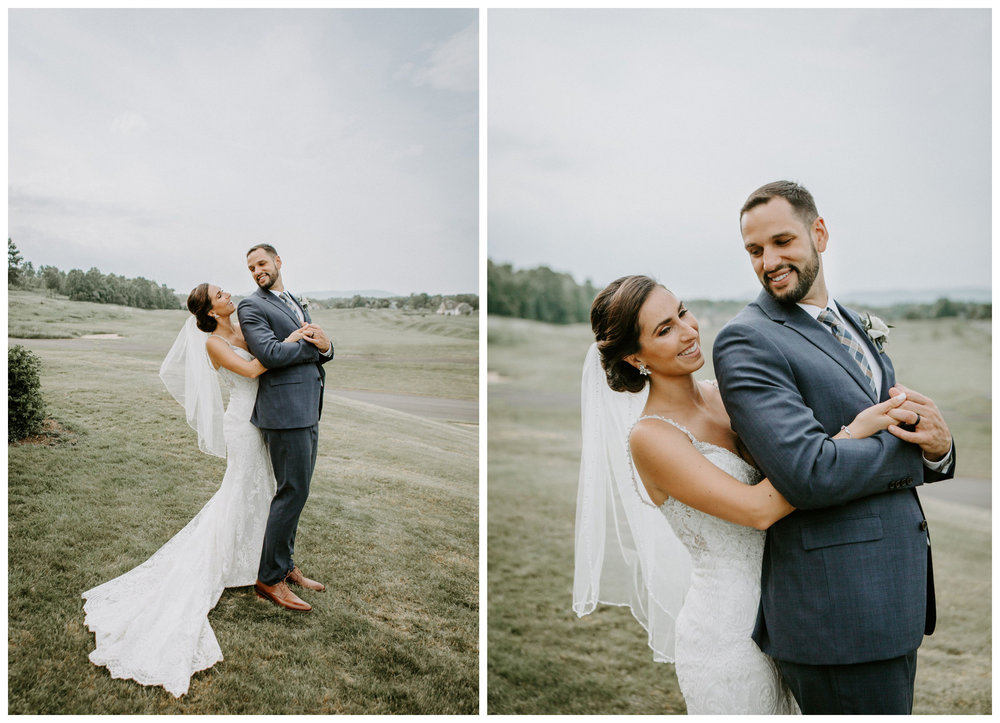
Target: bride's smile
<point>691,350</point>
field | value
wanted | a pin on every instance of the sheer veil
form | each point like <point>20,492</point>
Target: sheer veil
<point>626,551</point>
<point>194,383</point>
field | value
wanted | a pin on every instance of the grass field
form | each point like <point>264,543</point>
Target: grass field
<point>543,659</point>
<point>390,527</point>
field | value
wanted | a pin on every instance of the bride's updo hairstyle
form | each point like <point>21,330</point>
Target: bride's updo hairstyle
<point>614,317</point>
<point>200,304</point>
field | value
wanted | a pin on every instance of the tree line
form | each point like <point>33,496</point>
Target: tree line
<point>413,302</point>
<point>145,294</point>
<point>943,308</point>
<point>542,294</point>
<point>89,285</point>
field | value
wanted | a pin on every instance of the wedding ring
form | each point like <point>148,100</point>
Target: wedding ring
<point>918,419</point>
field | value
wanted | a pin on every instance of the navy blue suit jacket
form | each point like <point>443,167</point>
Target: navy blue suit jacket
<point>846,578</point>
<point>290,393</point>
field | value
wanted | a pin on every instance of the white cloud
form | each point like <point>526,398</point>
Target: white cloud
<point>453,64</point>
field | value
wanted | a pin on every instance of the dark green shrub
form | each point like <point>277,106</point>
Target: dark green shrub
<point>25,406</point>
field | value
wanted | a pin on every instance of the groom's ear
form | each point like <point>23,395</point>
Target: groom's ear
<point>820,234</point>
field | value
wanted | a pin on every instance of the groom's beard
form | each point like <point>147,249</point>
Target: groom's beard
<point>268,281</point>
<point>805,275</point>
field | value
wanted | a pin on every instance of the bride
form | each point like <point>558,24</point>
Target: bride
<point>151,624</point>
<point>658,444</point>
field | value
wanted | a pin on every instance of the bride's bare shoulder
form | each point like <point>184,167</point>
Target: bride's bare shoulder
<point>655,433</point>
<point>710,388</point>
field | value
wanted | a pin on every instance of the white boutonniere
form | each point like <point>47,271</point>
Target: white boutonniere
<point>304,303</point>
<point>876,329</point>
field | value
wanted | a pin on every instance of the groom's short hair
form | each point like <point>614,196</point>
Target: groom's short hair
<point>266,247</point>
<point>800,199</point>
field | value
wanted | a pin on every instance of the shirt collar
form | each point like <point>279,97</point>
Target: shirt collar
<point>814,311</point>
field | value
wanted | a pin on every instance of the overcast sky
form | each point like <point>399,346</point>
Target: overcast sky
<point>626,141</point>
<point>164,143</point>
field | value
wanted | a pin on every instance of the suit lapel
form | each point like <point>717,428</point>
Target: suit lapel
<point>792,317</point>
<point>272,299</point>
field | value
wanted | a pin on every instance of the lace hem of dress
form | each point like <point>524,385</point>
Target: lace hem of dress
<point>151,623</point>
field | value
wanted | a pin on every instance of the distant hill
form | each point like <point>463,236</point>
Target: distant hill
<point>973,294</point>
<point>368,293</point>
<point>882,298</point>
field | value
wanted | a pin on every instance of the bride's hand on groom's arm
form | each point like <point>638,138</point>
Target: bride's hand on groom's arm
<point>874,419</point>
<point>931,434</point>
<point>310,333</point>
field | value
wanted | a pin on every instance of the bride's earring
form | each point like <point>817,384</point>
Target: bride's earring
<point>643,369</point>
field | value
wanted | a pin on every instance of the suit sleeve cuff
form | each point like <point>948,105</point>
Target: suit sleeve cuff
<point>942,464</point>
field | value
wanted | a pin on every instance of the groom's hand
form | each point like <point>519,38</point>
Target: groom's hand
<point>931,434</point>
<point>316,336</point>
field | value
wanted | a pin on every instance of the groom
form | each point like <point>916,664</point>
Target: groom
<point>287,411</point>
<point>847,590</point>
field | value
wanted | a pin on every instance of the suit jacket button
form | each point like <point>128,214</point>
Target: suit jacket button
<point>923,525</point>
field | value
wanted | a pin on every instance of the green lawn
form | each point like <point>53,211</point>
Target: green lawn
<point>542,659</point>
<point>390,527</point>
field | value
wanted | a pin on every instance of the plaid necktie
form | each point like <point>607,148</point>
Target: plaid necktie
<point>843,335</point>
<point>283,295</point>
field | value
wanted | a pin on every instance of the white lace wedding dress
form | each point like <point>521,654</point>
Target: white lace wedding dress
<point>719,667</point>
<point>151,624</point>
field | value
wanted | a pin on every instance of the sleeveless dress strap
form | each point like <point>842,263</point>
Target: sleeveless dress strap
<point>668,421</point>
<point>694,440</point>
<point>639,488</point>
<point>232,346</point>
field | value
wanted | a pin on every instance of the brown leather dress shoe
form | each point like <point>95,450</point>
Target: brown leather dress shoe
<point>281,596</point>
<point>297,578</point>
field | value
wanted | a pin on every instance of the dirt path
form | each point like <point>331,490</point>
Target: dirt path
<point>452,410</point>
